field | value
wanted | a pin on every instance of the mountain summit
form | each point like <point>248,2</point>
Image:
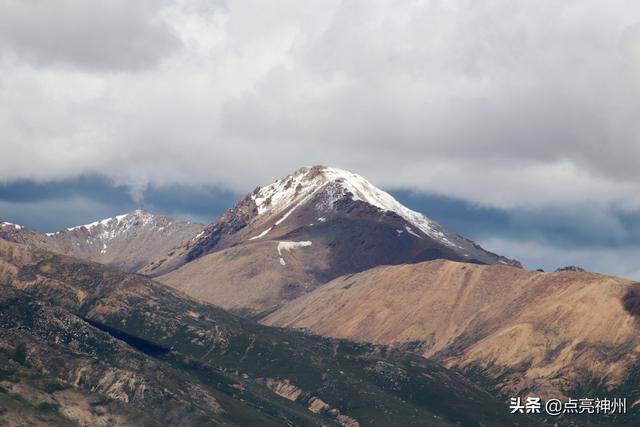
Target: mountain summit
<point>285,239</point>
<point>331,186</point>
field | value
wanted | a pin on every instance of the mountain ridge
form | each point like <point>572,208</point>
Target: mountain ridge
<point>127,241</point>
<point>332,222</point>
<point>522,331</point>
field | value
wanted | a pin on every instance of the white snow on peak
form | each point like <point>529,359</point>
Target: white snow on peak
<point>289,192</point>
<point>364,191</point>
<point>138,214</point>
<point>91,225</point>
<point>282,193</point>
<point>10,224</point>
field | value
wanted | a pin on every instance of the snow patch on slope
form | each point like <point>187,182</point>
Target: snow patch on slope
<point>264,233</point>
<point>289,246</point>
<point>410,231</point>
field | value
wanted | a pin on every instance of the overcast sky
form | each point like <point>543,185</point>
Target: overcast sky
<point>514,123</point>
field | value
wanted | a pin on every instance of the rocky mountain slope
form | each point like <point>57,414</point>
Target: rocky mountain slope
<point>285,239</point>
<point>59,370</point>
<point>118,349</point>
<point>126,241</point>
<point>549,334</point>
<point>20,234</point>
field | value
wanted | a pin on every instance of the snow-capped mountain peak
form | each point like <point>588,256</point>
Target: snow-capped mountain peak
<point>342,213</point>
<point>295,189</point>
<point>286,238</point>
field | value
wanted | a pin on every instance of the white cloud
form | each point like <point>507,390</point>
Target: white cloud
<point>502,103</point>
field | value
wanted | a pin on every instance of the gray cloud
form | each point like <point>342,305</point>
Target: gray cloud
<point>613,261</point>
<point>512,106</point>
<point>598,239</point>
<point>102,34</point>
<point>450,97</point>
<point>54,205</point>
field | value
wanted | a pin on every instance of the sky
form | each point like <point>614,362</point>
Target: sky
<point>516,124</point>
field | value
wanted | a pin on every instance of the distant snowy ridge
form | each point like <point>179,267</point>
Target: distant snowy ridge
<point>10,224</point>
<point>127,241</point>
<point>103,222</point>
<point>138,217</point>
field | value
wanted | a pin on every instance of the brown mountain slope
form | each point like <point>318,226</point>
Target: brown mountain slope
<point>287,238</point>
<point>178,361</point>
<point>249,279</point>
<point>524,331</point>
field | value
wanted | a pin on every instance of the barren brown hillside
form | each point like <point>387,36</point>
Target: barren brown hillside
<point>250,278</point>
<point>522,330</point>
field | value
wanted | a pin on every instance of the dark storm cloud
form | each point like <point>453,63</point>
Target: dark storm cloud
<point>599,240</point>
<point>54,205</point>
<point>97,188</point>
<point>198,203</point>
<point>99,34</point>
<point>558,226</point>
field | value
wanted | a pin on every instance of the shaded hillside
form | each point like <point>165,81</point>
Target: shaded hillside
<point>58,370</point>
